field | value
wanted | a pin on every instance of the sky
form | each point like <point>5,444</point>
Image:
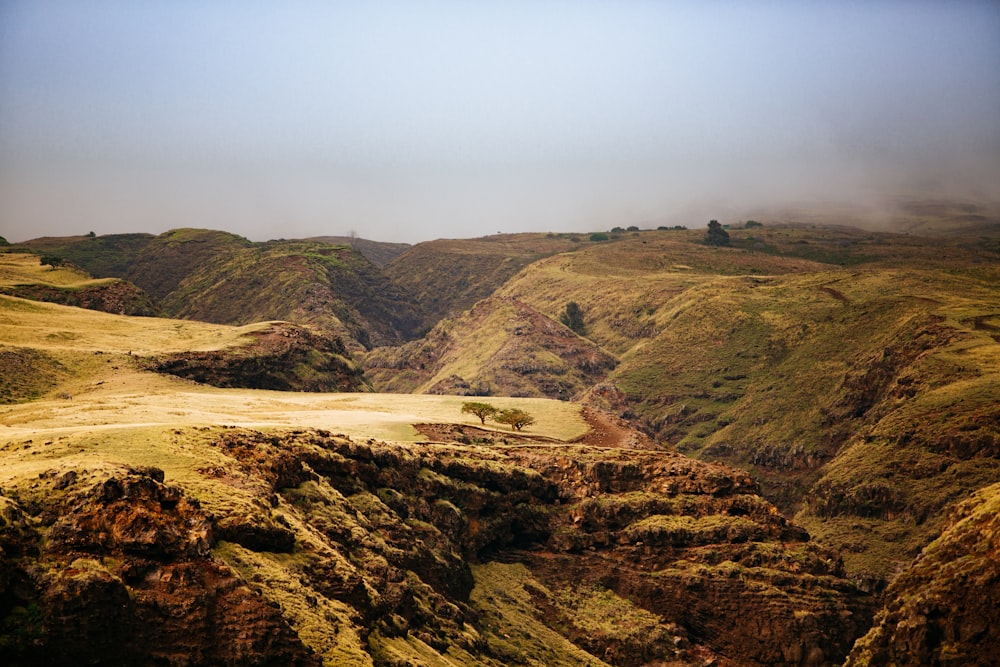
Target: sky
<point>413,120</point>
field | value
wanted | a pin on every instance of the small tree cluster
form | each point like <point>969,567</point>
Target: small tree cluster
<point>513,417</point>
<point>572,317</point>
<point>716,235</point>
<point>51,260</point>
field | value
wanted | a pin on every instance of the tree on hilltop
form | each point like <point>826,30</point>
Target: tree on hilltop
<point>716,235</point>
<point>481,410</point>
<point>515,417</point>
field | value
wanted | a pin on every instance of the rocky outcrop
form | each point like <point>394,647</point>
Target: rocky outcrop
<point>118,297</point>
<point>282,357</point>
<point>396,553</point>
<point>120,572</point>
<point>942,609</point>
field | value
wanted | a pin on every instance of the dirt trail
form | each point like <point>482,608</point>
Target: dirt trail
<point>609,431</point>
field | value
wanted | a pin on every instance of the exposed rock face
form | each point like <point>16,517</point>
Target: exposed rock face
<point>121,573</point>
<point>283,357</point>
<point>118,297</point>
<point>370,550</point>
<point>943,609</point>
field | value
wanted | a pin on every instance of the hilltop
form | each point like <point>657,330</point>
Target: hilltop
<point>214,276</point>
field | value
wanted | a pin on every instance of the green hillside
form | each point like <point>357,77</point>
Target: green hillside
<point>448,276</point>
<point>802,354</point>
<point>219,277</point>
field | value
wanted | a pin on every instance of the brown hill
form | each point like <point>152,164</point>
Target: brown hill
<point>448,276</point>
<point>803,371</point>
<point>219,277</point>
<point>110,296</point>
<point>942,610</point>
<point>330,287</point>
<point>500,347</point>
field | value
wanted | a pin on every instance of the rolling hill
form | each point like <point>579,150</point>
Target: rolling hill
<point>219,277</point>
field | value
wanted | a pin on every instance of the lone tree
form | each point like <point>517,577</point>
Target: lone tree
<point>573,318</point>
<point>515,417</point>
<point>50,260</point>
<point>716,234</point>
<point>481,410</point>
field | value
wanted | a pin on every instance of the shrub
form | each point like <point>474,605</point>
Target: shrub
<point>572,317</point>
<point>599,236</point>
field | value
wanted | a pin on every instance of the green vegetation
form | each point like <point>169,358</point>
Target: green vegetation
<point>716,235</point>
<point>481,410</point>
<point>572,317</point>
<point>51,260</point>
<point>516,418</point>
<point>597,237</point>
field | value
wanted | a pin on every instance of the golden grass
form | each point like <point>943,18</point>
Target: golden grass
<point>48,326</point>
<point>25,269</point>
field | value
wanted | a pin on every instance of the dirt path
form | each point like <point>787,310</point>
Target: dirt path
<point>609,431</point>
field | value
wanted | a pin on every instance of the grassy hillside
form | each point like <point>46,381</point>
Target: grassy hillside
<point>800,353</point>
<point>448,276</point>
<point>378,253</point>
<point>111,255</point>
<point>23,275</point>
<point>219,277</point>
<point>235,525</point>
<point>499,347</point>
<point>330,287</point>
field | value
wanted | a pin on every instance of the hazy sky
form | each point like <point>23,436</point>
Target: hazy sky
<point>406,121</point>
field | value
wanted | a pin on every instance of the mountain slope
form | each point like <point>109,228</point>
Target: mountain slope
<point>942,610</point>
<point>448,276</point>
<point>219,277</point>
<point>330,287</point>
<point>499,347</point>
<point>379,253</point>
<point>803,371</point>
